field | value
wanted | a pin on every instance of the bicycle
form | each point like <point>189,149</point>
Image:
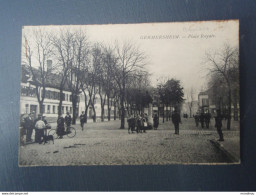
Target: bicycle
<point>71,132</point>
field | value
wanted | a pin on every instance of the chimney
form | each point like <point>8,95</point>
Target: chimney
<point>49,65</point>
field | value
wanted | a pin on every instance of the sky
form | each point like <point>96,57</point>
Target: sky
<point>173,50</point>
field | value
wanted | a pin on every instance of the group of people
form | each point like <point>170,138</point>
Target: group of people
<point>138,123</point>
<point>39,125</point>
<point>30,123</point>
<point>204,119</point>
<point>61,121</point>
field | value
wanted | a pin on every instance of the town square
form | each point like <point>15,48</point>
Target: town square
<point>130,94</point>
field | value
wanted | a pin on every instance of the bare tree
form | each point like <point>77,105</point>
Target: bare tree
<point>100,75</point>
<point>64,56</point>
<point>129,60</point>
<point>80,49</point>
<point>38,48</point>
<point>221,63</point>
<point>109,61</point>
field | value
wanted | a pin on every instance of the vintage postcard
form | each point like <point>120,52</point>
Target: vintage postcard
<point>130,94</point>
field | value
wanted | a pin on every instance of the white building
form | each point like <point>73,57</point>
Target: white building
<point>29,102</point>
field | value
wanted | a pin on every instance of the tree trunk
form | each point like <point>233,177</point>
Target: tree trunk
<point>109,109</point>
<point>163,114</point>
<point>86,113</point>
<point>94,117</point>
<point>86,105</point>
<point>114,109</point>
<point>60,103</point>
<point>235,109</point>
<point>74,104</point>
<point>41,107</point>
<point>229,109</point>
<point>122,111</point>
<point>166,112</point>
<point>102,113</point>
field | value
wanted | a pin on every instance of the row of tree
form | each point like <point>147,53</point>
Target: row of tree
<point>116,73</point>
<point>223,84</point>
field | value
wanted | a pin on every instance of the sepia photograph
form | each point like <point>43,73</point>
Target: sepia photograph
<point>130,94</point>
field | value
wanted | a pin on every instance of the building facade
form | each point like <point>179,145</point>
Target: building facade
<point>29,102</point>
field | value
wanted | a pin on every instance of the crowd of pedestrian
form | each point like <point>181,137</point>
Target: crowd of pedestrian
<point>39,125</point>
<point>28,124</point>
<point>205,119</point>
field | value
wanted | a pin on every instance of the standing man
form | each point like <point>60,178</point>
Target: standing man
<point>202,120</point>
<point>82,120</point>
<point>218,125</point>
<point>197,119</point>
<point>29,125</point>
<point>68,120</point>
<point>176,121</point>
<point>156,122</point>
<point>207,119</point>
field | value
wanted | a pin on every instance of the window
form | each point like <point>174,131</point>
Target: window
<point>66,109</point>
<point>62,109</point>
<point>48,109</point>
<point>70,109</point>
<point>53,109</point>
<point>28,91</point>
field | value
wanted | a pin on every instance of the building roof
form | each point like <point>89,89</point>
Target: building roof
<point>53,80</point>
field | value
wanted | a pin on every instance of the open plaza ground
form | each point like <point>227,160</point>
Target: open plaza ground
<point>103,143</point>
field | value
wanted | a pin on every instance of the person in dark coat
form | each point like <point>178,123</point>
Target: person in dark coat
<point>207,119</point>
<point>29,125</point>
<point>60,126</point>
<point>68,120</point>
<point>82,120</point>
<point>202,119</point>
<point>156,122</point>
<point>176,121</point>
<point>218,125</point>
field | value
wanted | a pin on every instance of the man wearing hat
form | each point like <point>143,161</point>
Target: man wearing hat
<point>176,121</point>
<point>29,125</point>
